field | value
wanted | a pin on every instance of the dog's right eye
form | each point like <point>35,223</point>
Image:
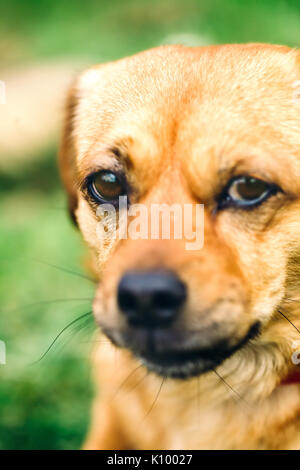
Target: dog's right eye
<point>105,186</point>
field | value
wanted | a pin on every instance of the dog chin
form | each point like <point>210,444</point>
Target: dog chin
<point>185,370</point>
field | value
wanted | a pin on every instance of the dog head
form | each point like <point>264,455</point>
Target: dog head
<point>177,126</point>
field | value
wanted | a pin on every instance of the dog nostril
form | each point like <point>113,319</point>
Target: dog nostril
<point>165,301</point>
<point>150,298</point>
<point>127,301</point>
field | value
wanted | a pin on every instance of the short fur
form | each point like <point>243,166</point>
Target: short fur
<point>184,120</point>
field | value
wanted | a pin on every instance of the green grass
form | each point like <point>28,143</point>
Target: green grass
<point>107,29</point>
<point>46,405</point>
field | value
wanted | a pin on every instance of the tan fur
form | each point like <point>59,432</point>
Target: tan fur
<point>185,120</point>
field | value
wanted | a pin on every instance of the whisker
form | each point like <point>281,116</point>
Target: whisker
<point>81,328</point>
<point>67,270</point>
<point>155,399</point>
<point>63,343</point>
<point>52,301</point>
<point>126,379</point>
<point>279,311</point>
<point>139,381</point>
<point>230,387</point>
<point>60,333</point>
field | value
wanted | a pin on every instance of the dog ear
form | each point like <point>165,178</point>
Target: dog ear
<point>67,160</point>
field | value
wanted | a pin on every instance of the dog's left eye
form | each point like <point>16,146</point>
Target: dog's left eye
<point>246,192</point>
<point>105,186</point>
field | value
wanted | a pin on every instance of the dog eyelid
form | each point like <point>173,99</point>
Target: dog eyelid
<point>113,167</point>
<point>253,196</point>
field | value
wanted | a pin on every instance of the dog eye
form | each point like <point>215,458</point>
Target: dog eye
<point>246,192</point>
<point>105,186</point>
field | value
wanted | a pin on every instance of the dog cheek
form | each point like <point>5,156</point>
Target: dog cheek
<point>293,275</point>
<point>266,276</point>
<point>262,263</point>
<point>280,271</point>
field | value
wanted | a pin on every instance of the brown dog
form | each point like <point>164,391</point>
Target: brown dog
<point>203,340</point>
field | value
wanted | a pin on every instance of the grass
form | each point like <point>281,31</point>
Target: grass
<point>46,405</point>
<point>107,29</point>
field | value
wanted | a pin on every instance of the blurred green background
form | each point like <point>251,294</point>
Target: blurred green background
<point>45,404</point>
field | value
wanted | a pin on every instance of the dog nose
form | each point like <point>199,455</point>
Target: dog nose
<point>150,298</point>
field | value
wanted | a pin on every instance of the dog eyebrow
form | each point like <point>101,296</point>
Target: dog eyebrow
<point>262,168</point>
<point>106,164</point>
<point>112,156</point>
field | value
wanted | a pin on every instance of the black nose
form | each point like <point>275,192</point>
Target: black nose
<point>150,298</point>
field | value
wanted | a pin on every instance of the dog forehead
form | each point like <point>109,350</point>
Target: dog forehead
<point>153,89</point>
<point>169,71</point>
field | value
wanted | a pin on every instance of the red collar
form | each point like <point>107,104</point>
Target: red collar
<point>292,378</point>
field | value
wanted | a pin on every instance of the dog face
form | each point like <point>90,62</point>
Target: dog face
<point>217,126</point>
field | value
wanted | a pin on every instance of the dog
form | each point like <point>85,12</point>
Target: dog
<point>198,347</point>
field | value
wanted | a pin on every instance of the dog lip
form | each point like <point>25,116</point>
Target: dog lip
<point>189,363</point>
<point>184,363</point>
<point>171,358</point>
<point>190,366</point>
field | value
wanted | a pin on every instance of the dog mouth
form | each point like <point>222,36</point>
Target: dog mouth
<point>185,364</point>
<point>182,361</point>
